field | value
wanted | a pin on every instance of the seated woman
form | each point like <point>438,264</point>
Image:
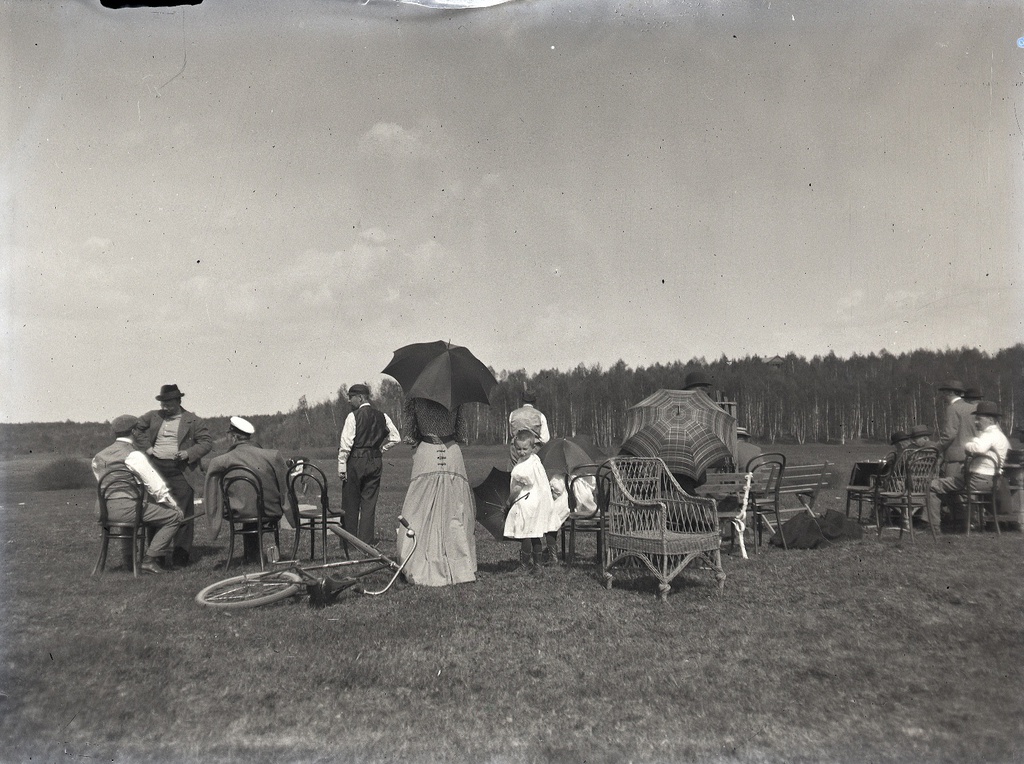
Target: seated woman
<point>584,490</point>
<point>439,504</point>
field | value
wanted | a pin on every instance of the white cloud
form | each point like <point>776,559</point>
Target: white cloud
<point>391,139</point>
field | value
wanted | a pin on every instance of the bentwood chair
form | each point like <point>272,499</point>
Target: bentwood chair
<point>978,501</point>
<point>584,480</point>
<point>652,523</point>
<point>767,469</point>
<point>861,486</point>
<point>240,487</point>
<point>311,508</point>
<point>119,484</point>
<point>907,492</point>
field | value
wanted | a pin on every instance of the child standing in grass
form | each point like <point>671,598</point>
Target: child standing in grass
<point>532,512</point>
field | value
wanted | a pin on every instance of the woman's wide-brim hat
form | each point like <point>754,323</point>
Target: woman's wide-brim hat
<point>169,392</point>
<point>952,384</point>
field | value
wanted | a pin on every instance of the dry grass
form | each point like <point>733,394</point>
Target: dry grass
<point>868,651</point>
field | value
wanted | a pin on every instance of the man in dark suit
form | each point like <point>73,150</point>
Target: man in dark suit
<point>957,428</point>
<point>366,434</point>
<point>269,466</point>
<point>745,450</point>
<point>175,441</point>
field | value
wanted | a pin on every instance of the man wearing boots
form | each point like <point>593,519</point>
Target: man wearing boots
<point>366,434</point>
<point>160,511</point>
<point>175,440</point>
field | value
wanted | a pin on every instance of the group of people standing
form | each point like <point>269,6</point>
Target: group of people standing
<point>163,449</point>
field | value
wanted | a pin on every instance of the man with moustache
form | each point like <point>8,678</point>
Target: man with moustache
<point>175,441</point>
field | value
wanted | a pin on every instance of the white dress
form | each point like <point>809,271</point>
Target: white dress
<point>533,516</point>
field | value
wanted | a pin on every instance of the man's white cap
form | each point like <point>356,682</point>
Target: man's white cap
<point>242,425</point>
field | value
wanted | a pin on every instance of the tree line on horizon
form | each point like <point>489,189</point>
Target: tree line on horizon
<point>825,399</point>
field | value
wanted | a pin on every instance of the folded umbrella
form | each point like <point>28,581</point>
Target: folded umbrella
<point>439,371</point>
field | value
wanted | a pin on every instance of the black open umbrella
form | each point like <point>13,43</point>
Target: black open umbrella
<point>439,371</point>
<point>565,455</point>
<point>491,495</point>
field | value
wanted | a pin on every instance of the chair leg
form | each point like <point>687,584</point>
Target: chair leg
<point>295,541</point>
<point>231,545</point>
<point>778,529</point>
<point>101,563</point>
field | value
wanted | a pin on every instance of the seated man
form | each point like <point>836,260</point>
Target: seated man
<point>160,510</point>
<point>745,450</point>
<point>991,445</point>
<point>269,466</point>
<point>921,437</point>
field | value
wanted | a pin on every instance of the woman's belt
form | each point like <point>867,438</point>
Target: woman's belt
<point>437,440</point>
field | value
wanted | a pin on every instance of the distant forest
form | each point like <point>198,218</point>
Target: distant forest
<point>790,399</point>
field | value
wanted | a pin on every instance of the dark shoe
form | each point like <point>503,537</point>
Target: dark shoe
<point>151,565</point>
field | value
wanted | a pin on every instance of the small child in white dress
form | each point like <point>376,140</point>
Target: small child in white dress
<point>532,513</point>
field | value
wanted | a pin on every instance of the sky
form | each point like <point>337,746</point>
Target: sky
<point>260,200</point>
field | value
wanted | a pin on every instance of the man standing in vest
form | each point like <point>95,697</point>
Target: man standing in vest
<point>526,417</point>
<point>367,434</point>
<point>175,440</point>
<point>159,512</point>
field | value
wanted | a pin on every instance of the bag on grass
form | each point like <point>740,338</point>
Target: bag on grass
<point>807,531</point>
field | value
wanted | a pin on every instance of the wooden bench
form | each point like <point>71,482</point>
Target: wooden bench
<point>798,491</point>
<point>802,482</point>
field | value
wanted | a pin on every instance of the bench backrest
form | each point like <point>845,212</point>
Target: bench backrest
<point>802,482</point>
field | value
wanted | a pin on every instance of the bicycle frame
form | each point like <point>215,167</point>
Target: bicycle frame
<point>283,578</point>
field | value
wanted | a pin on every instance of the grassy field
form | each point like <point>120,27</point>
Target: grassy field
<point>869,651</point>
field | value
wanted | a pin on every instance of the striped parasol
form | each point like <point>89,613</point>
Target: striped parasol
<point>684,427</point>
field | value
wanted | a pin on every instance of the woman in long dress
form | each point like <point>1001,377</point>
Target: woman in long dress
<point>439,504</point>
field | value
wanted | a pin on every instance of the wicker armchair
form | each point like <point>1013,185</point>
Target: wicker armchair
<point>905,495</point>
<point>650,519</point>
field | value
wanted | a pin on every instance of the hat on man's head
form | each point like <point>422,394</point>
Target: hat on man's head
<point>696,379</point>
<point>359,389</point>
<point>898,437</point>
<point>972,393</point>
<point>920,431</point>
<point>529,396</point>
<point>243,426</point>
<point>987,408</point>
<point>952,384</point>
<point>124,423</point>
<point>169,392</point>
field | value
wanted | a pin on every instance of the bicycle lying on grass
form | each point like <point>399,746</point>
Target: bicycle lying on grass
<point>287,578</point>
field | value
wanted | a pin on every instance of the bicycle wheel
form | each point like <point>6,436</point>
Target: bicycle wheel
<point>251,590</point>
